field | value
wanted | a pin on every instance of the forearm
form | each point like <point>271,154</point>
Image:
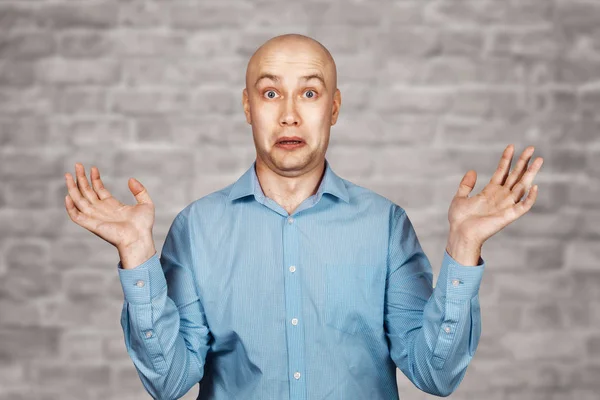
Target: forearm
<point>169,357</point>
<point>434,343</point>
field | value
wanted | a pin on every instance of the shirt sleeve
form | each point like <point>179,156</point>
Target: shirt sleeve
<point>433,332</point>
<point>163,321</point>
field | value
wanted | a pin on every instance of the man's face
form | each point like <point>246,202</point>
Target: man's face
<point>279,100</point>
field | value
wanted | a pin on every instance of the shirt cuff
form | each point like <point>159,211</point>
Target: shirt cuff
<point>460,281</point>
<point>142,283</point>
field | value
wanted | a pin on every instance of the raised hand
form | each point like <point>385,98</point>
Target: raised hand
<point>121,225</point>
<point>475,219</point>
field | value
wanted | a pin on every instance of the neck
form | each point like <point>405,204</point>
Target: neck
<point>289,188</point>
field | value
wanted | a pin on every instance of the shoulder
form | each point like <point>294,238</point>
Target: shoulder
<point>368,198</point>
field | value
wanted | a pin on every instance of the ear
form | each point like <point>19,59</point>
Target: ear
<point>246,105</point>
<point>337,102</point>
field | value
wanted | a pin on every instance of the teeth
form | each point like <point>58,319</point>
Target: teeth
<point>290,142</point>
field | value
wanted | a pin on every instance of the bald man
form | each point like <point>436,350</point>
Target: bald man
<point>293,283</point>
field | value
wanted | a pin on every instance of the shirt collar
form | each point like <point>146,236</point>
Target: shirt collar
<point>248,184</point>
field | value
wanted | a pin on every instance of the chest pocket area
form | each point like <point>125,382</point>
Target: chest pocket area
<point>354,296</point>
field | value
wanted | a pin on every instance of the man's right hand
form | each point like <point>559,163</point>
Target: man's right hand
<point>128,228</point>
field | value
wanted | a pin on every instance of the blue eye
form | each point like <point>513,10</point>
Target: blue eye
<point>271,92</point>
<point>310,91</point>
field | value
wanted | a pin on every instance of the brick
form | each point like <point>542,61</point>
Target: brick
<point>462,42</point>
<point>143,14</point>
<point>576,16</point>
<point>68,252</point>
<point>582,254</point>
<point>94,376</point>
<point>76,100</point>
<point>165,72</point>
<point>590,225</point>
<point>99,131</point>
<point>184,131</point>
<point>586,377</point>
<point>163,163</point>
<point>27,343</point>
<point>29,283</point>
<point>412,100</point>
<point>211,44</point>
<point>76,346</point>
<point>527,287</point>
<point>208,15</point>
<point>98,15</point>
<point>547,256</point>
<point>14,18</point>
<point>149,102</point>
<point>91,312</point>
<point>60,71</point>
<point>220,100</point>
<point>585,193</point>
<point>576,71</point>
<point>524,346</point>
<point>83,284</point>
<point>113,348</point>
<point>134,43</point>
<point>25,132</point>
<point>588,284</point>
<point>543,315</point>
<point>593,347</point>
<point>26,101</point>
<point>18,313</point>
<point>27,46</point>
<point>543,43</point>
<point>421,41</point>
<point>85,44</point>
<point>16,74</point>
<point>450,71</point>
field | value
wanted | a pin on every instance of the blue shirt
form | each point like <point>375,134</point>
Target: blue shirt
<point>254,303</point>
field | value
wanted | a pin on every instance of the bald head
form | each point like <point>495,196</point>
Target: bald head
<point>293,43</point>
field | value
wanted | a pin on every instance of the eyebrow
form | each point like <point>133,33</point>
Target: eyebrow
<point>276,78</point>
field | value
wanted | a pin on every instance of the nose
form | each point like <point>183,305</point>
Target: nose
<point>290,114</point>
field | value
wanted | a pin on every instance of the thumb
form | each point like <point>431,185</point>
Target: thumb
<point>467,183</point>
<point>139,191</point>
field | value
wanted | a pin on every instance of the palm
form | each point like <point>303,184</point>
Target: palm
<point>499,203</point>
<point>115,221</point>
<point>95,209</point>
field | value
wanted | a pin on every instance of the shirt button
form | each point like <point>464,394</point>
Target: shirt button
<point>447,329</point>
<point>455,282</point>
<point>294,321</point>
<point>149,334</point>
<point>297,375</point>
<point>139,283</point>
<point>293,268</point>
<point>290,220</point>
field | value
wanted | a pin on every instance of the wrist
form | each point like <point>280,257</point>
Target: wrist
<point>137,253</point>
<point>465,251</point>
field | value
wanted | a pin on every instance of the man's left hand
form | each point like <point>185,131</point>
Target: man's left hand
<point>475,219</point>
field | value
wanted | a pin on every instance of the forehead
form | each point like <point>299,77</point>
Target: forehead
<point>289,63</point>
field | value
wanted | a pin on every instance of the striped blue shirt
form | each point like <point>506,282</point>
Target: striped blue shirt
<point>254,303</point>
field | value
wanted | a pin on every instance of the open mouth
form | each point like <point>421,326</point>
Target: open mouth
<point>290,144</point>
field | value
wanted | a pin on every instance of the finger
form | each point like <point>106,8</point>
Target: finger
<point>80,202</point>
<point>520,168</point>
<point>84,185</point>
<point>76,216</point>
<point>525,183</point>
<point>97,184</point>
<point>503,166</point>
<point>523,206</point>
